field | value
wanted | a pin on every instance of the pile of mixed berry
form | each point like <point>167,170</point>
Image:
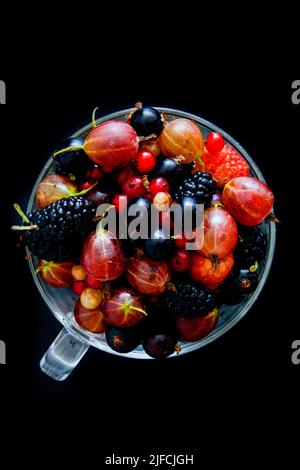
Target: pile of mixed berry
<point>152,291</point>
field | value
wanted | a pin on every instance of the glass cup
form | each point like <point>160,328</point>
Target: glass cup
<point>73,342</point>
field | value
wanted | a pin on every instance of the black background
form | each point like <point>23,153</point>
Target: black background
<point>239,391</point>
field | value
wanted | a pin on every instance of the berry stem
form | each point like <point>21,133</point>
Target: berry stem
<point>199,160</point>
<point>84,191</point>
<point>254,267</point>
<point>68,149</point>
<point>24,227</point>
<point>21,213</point>
<point>219,204</point>
<point>25,218</point>
<point>137,309</point>
<point>272,217</point>
<point>94,123</point>
<point>99,219</point>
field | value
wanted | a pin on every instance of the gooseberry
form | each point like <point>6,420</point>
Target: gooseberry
<point>182,137</point>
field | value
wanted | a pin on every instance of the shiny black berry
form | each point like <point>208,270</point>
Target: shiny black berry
<point>146,121</point>
<point>61,171</point>
<point>159,344</point>
<point>123,340</point>
<point>238,286</point>
<point>159,246</point>
<point>190,213</point>
<point>73,163</point>
<point>170,169</point>
<point>139,207</point>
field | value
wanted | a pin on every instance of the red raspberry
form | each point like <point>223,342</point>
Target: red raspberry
<point>225,165</point>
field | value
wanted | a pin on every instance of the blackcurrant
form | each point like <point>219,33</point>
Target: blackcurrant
<point>146,121</point>
<point>159,344</point>
<point>189,211</point>
<point>240,284</point>
<point>159,246</point>
<point>140,203</point>
<point>167,168</point>
<point>123,340</point>
<point>141,209</point>
<point>74,162</point>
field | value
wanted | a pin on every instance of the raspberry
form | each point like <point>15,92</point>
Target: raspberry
<point>225,165</point>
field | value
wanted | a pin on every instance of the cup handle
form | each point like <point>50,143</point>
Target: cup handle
<point>63,356</point>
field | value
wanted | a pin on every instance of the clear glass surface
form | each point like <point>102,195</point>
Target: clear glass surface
<point>61,301</point>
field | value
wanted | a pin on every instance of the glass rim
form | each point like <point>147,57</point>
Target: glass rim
<point>93,339</point>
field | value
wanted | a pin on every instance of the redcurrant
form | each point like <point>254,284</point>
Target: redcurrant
<point>214,142</point>
<point>145,161</point>
<point>93,283</point>
<point>108,169</point>
<point>180,261</point>
<point>159,185</point>
<point>95,173</point>
<point>78,286</point>
<point>134,187</point>
<point>119,201</point>
<point>182,241</point>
